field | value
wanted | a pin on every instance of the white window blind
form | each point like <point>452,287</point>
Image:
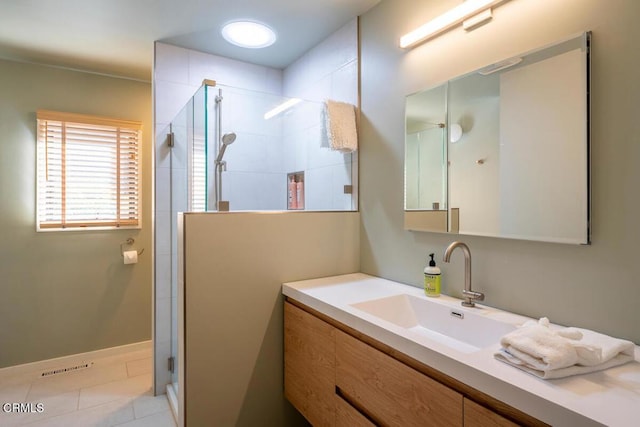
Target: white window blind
<point>88,172</point>
<point>198,202</point>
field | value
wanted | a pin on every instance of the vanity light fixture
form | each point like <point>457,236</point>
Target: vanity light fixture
<point>498,66</point>
<point>474,11</point>
<point>281,108</point>
<point>249,34</point>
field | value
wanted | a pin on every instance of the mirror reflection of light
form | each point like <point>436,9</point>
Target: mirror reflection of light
<point>455,133</point>
<point>282,107</point>
<point>252,35</point>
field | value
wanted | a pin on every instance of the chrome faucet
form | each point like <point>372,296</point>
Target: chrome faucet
<point>469,295</point>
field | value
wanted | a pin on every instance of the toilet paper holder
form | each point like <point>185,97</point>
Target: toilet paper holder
<point>129,242</point>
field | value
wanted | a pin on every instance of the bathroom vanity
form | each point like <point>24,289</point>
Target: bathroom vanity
<point>355,356</point>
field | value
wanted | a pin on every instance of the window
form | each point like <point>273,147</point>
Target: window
<point>88,172</point>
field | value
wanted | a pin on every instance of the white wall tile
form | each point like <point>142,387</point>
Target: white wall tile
<point>163,317</point>
<point>163,276</point>
<point>162,352</point>
<point>275,153</point>
<point>231,72</point>
<point>179,151</point>
<point>331,54</point>
<point>163,233</point>
<point>289,153</point>
<point>163,181</point>
<point>318,189</point>
<point>171,98</point>
<point>247,154</point>
<point>255,191</point>
<point>178,191</point>
<point>169,64</point>
<point>341,176</point>
<point>344,83</point>
<point>163,151</point>
<point>301,151</point>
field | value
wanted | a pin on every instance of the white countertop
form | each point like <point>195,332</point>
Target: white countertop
<point>610,397</point>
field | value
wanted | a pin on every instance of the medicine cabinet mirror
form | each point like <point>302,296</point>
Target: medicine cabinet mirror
<point>504,151</point>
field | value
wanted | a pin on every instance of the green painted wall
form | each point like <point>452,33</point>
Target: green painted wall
<point>64,293</point>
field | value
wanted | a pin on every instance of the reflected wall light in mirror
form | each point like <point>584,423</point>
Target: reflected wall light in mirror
<point>472,13</point>
<point>455,133</point>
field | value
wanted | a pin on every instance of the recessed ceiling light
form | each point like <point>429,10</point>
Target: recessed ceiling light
<point>248,34</point>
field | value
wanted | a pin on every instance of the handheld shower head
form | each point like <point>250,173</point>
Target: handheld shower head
<point>227,139</point>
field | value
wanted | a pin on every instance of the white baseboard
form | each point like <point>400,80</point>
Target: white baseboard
<point>44,365</point>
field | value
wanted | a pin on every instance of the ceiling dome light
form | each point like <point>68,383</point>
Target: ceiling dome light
<point>248,34</point>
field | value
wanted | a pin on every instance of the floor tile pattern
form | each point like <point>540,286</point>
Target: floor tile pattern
<point>113,391</point>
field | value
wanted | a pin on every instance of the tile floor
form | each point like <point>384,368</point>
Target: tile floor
<point>114,391</point>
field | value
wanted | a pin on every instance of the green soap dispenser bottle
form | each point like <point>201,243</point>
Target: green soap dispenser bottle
<point>432,279</point>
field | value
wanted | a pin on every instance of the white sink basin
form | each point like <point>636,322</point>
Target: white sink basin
<point>467,330</point>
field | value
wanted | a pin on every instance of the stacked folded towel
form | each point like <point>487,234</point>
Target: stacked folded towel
<point>341,126</point>
<point>555,353</point>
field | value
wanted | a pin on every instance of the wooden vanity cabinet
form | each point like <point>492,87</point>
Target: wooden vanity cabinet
<point>335,379</point>
<point>389,391</point>
<point>309,365</point>
<point>348,416</point>
<point>478,416</point>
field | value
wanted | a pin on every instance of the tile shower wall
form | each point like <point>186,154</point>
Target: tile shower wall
<point>255,178</point>
<point>328,71</point>
<point>178,73</point>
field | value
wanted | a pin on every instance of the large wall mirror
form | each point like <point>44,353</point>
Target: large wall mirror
<point>504,151</point>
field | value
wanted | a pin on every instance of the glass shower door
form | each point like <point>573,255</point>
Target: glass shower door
<point>180,129</point>
<point>186,171</point>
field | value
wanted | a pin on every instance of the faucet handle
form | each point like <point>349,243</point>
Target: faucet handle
<point>473,295</point>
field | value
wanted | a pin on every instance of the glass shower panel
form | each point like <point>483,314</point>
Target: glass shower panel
<point>182,128</point>
<point>275,137</point>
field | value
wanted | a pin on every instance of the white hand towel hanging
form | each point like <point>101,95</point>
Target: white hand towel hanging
<point>341,126</point>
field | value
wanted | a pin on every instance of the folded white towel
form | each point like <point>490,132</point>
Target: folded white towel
<point>618,360</point>
<point>554,353</point>
<point>341,126</point>
<point>540,347</point>
<point>595,348</point>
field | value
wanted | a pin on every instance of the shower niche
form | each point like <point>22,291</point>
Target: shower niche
<point>234,149</point>
<point>295,191</point>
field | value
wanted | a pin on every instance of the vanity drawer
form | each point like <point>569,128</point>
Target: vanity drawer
<point>392,393</point>
<point>309,365</point>
<point>478,416</point>
<point>348,416</point>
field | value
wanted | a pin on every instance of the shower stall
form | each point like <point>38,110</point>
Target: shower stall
<point>241,150</point>
<point>272,137</point>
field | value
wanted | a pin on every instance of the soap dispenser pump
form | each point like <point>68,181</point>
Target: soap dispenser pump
<point>432,279</point>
